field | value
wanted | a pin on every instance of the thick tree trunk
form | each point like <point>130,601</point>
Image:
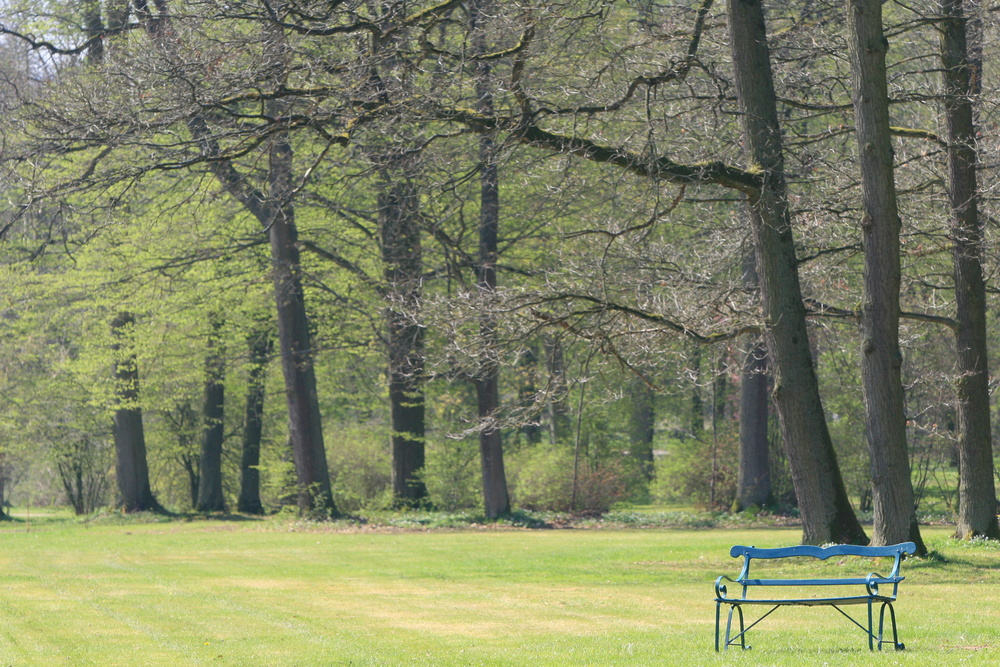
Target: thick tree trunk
<point>131,469</point>
<point>881,358</point>
<point>210,496</point>
<point>403,261</point>
<point>977,502</point>
<point>253,424</point>
<point>496,499</point>
<point>827,515</point>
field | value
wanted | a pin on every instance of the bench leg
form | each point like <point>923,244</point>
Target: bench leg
<point>718,611</point>
<point>871,642</point>
<point>729,628</point>
<point>881,621</point>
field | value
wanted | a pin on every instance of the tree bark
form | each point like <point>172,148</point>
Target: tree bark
<point>556,394</point>
<point>642,424</point>
<point>881,358</point>
<point>210,496</point>
<point>402,257</point>
<point>496,498</point>
<point>753,485</point>
<point>697,401</point>
<point>131,469</point>
<point>826,512</point>
<point>253,424</point>
<point>527,393</point>
<point>3,487</point>
<point>294,338</point>
<point>754,481</point>
<point>977,503</point>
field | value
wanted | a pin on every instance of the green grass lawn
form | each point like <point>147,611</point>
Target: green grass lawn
<point>279,593</point>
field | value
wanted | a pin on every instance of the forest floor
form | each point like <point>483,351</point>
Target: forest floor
<point>238,591</point>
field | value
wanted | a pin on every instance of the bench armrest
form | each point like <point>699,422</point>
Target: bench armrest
<point>720,588</point>
<point>874,579</point>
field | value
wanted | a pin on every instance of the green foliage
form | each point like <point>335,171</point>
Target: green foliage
<point>360,469</point>
<point>699,470</point>
<point>550,479</point>
<point>452,474</point>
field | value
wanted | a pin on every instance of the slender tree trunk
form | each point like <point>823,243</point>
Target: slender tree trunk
<point>697,401</point>
<point>191,464</point>
<point>402,257</point>
<point>294,338</point>
<point>253,424</point>
<point>881,358</point>
<point>977,501</point>
<point>753,486</point>
<point>295,341</point>
<point>558,412</point>
<point>210,496</point>
<point>131,468</point>
<point>754,482</point>
<point>496,498</point>
<point>527,392</point>
<point>642,423</point>
<point>827,515</point>
<point>3,487</point>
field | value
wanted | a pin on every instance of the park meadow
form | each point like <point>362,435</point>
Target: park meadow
<point>279,591</point>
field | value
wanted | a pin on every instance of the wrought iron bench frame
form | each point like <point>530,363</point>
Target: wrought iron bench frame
<point>870,596</point>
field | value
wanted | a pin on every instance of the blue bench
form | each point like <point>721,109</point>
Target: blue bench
<point>809,592</point>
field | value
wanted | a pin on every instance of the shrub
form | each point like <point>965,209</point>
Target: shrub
<point>543,479</point>
<point>452,475</point>
<point>691,472</point>
<point>360,468</point>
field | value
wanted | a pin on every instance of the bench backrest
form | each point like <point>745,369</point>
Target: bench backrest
<point>894,551</point>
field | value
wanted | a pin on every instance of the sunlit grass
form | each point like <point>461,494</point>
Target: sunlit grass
<point>283,593</point>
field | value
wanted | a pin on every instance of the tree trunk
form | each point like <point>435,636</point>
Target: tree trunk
<point>131,468</point>
<point>527,393</point>
<point>881,358</point>
<point>642,424</point>
<point>826,512</point>
<point>556,394</point>
<point>3,487</point>
<point>754,482</point>
<point>210,496</point>
<point>697,402</point>
<point>977,502</point>
<point>253,424</point>
<point>305,424</point>
<point>191,464</point>
<point>496,499</point>
<point>753,485</point>
<point>403,261</point>
<point>295,341</point>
